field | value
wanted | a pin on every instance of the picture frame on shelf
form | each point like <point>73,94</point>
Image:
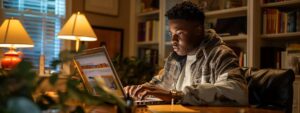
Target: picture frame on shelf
<point>106,7</point>
<point>111,38</point>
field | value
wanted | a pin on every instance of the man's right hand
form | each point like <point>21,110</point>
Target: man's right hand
<point>131,90</point>
<point>139,92</point>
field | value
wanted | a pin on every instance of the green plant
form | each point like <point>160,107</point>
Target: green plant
<point>20,84</point>
<point>133,70</point>
<point>16,87</point>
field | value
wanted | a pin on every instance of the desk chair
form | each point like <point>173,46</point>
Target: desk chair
<point>271,88</point>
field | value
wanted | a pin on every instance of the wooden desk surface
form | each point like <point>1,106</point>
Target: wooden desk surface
<point>206,109</point>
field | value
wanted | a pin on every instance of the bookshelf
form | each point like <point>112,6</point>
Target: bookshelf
<point>281,39</point>
<point>284,18</point>
<point>145,30</point>
<point>250,42</point>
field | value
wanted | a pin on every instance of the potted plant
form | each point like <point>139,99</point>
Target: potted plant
<point>20,92</point>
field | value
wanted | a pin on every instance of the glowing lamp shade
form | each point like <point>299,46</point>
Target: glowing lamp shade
<point>77,28</point>
<point>13,35</point>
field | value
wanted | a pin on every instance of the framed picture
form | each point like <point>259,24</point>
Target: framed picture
<point>111,38</point>
<point>107,7</point>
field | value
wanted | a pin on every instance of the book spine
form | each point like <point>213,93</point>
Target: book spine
<point>241,59</point>
<point>147,31</point>
<point>285,22</point>
<point>141,31</point>
<point>151,30</point>
<point>265,22</point>
<point>277,20</point>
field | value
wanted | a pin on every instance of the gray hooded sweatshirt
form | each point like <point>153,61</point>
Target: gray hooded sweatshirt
<point>216,78</point>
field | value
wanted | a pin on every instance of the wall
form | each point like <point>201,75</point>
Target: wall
<point>121,21</point>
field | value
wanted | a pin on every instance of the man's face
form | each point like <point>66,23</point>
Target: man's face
<point>186,35</point>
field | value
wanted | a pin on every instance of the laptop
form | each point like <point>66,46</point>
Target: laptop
<point>93,64</point>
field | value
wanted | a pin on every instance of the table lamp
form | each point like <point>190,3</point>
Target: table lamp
<point>77,28</point>
<point>13,35</point>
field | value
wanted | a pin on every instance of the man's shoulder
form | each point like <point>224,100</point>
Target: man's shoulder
<point>221,49</point>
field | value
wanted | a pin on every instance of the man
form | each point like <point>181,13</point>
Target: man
<point>201,70</point>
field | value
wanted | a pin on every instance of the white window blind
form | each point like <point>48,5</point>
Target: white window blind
<point>42,19</point>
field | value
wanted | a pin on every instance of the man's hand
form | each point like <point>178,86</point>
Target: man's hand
<point>141,91</point>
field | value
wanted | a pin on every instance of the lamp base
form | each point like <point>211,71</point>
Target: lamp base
<point>11,59</point>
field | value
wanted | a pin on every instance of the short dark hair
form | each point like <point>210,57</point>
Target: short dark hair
<point>186,11</point>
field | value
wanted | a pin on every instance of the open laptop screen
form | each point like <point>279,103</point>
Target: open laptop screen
<point>97,64</point>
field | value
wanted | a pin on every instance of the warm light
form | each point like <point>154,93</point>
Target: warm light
<point>77,28</point>
<point>81,38</point>
<point>13,35</point>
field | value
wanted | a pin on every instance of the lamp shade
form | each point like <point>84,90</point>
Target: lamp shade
<point>77,28</point>
<point>13,35</point>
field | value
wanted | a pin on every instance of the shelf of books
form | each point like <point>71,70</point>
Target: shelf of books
<point>281,57</point>
<point>148,32</point>
<point>280,21</point>
<point>147,26</point>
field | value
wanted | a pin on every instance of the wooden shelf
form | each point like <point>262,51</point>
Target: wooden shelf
<point>225,38</point>
<point>235,38</point>
<point>146,43</point>
<point>155,12</point>
<point>282,3</point>
<point>227,12</point>
<point>281,35</point>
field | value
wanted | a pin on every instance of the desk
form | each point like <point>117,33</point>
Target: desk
<point>206,109</point>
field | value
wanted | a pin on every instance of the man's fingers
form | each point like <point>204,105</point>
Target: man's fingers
<point>142,88</point>
<point>131,89</point>
<point>126,89</point>
<point>144,94</point>
<point>137,90</point>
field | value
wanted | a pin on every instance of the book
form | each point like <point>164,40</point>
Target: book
<point>149,55</point>
<point>148,31</point>
<point>276,21</point>
<point>141,31</point>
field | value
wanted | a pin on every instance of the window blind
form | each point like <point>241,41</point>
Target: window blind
<point>42,19</point>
